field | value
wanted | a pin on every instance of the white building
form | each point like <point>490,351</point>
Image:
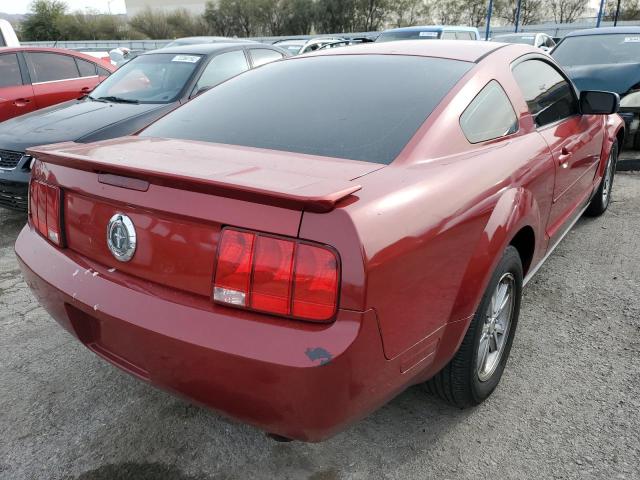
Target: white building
<point>136,6</point>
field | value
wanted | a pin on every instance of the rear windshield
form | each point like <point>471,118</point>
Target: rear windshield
<point>359,107</point>
<point>408,35</point>
<point>598,50</point>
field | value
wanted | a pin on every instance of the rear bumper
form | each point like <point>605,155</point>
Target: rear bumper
<point>631,117</point>
<point>298,380</point>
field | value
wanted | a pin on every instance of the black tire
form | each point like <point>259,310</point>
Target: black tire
<point>459,383</point>
<point>600,202</point>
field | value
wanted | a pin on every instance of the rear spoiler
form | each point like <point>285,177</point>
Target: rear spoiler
<point>244,182</point>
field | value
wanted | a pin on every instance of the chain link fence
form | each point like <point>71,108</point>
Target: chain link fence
<point>555,30</point>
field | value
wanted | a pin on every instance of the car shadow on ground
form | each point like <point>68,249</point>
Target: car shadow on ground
<point>429,417</point>
<point>12,222</point>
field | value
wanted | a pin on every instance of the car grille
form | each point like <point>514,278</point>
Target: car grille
<point>9,159</point>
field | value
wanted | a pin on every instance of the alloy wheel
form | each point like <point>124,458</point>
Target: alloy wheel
<point>495,330</point>
<point>608,181</point>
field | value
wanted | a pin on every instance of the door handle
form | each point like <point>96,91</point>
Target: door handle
<point>21,102</point>
<point>564,157</point>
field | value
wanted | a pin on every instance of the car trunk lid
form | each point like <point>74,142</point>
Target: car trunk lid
<point>180,194</point>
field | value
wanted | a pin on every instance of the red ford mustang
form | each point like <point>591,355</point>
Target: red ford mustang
<point>296,257</point>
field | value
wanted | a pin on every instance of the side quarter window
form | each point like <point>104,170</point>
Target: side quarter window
<point>87,69</point>
<point>489,116</point>
<point>103,72</point>
<point>10,69</point>
<point>221,68</point>
<point>261,56</point>
<point>549,96</point>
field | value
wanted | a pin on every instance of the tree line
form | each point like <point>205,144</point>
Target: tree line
<point>51,20</point>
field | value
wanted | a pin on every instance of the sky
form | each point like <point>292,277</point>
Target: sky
<point>22,6</point>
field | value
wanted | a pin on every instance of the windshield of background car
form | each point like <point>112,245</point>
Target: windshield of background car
<point>362,107</point>
<point>408,35</point>
<point>525,39</point>
<point>154,78</point>
<point>598,50</point>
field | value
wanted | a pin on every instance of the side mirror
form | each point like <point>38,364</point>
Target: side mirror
<point>599,103</point>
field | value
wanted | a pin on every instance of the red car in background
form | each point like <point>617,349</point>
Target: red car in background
<point>295,261</point>
<point>34,78</point>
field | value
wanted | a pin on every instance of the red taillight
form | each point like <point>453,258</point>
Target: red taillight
<point>276,275</point>
<point>234,267</point>
<point>44,208</point>
<point>316,283</point>
<point>272,270</point>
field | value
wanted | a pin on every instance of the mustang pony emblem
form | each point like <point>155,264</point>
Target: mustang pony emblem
<point>121,237</point>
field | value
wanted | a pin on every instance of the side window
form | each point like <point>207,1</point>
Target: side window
<point>260,56</point>
<point>10,69</point>
<point>2,42</point>
<point>87,69</point>
<point>448,36</point>
<point>550,43</point>
<point>490,115</point>
<point>221,68</point>
<point>549,96</point>
<point>47,67</point>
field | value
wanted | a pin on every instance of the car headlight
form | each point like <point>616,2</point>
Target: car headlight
<point>631,101</point>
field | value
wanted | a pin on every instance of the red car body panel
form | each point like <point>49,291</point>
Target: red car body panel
<point>17,100</point>
<point>418,240</point>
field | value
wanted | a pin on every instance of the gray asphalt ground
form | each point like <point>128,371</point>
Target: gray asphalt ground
<point>568,405</point>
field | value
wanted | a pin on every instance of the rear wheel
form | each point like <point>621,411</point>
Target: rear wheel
<point>476,369</point>
<point>600,202</point>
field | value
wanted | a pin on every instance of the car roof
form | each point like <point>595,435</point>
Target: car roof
<point>604,31</point>
<point>208,48</point>
<point>433,28</point>
<point>463,50</point>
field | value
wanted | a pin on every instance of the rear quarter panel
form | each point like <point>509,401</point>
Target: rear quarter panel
<point>433,224</point>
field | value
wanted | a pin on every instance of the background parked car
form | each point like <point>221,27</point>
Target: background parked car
<point>201,40</point>
<point>121,55</point>
<point>140,92</point>
<point>34,78</point>
<point>8,37</point>
<point>607,59</point>
<point>430,32</point>
<point>299,47</point>
<point>317,43</point>
<point>346,43</point>
<point>292,46</point>
<point>538,40</point>
<point>97,53</point>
